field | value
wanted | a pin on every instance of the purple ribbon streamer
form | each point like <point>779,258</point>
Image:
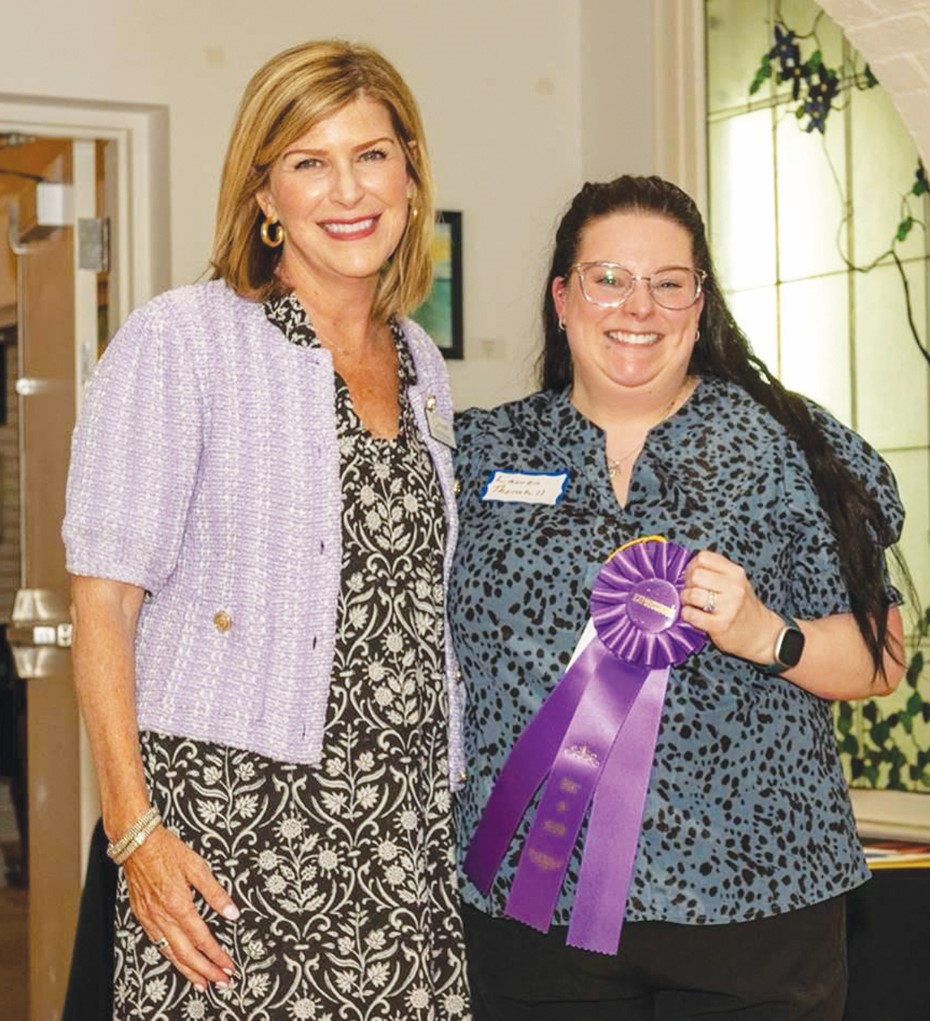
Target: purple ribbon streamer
<point>526,767</point>
<point>619,802</point>
<point>610,694</point>
<point>616,686</point>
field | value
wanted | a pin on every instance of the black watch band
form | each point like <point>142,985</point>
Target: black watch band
<point>789,645</point>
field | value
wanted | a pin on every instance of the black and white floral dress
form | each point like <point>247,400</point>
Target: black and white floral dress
<point>343,872</point>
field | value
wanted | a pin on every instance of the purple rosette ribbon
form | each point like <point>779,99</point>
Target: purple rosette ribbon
<point>594,738</point>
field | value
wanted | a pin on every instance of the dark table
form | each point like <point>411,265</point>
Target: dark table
<point>888,929</point>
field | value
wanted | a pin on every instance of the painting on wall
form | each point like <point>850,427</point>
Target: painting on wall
<point>441,314</point>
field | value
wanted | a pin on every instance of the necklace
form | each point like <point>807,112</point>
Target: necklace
<point>615,464</point>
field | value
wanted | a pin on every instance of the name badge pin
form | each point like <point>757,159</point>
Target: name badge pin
<point>440,427</point>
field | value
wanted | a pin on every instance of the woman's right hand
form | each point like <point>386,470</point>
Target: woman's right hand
<point>161,875</point>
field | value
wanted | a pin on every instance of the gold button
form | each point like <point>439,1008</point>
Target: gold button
<point>431,403</point>
<point>456,487</point>
<point>222,621</point>
<point>458,676</point>
<point>463,776</point>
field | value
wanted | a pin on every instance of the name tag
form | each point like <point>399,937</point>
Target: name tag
<point>525,487</point>
<point>440,428</point>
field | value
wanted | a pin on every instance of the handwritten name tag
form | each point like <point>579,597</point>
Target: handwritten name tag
<point>525,487</point>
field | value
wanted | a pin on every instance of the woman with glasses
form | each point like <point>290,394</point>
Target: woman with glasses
<point>655,419</point>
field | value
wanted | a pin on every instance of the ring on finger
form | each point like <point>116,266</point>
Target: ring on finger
<point>161,944</point>
<point>711,605</point>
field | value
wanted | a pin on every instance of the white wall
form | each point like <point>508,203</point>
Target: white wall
<point>502,84</point>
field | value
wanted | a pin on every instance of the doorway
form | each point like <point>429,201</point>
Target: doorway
<point>44,184</point>
<point>63,169</point>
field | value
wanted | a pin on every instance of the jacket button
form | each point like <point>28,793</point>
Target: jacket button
<point>431,403</point>
<point>463,776</point>
<point>456,487</point>
<point>222,621</point>
<point>458,676</point>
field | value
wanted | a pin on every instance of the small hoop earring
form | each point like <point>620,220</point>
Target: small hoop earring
<point>697,335</point>
<point>272,233</point>
<point>561,324</point>
<point>414,212</point>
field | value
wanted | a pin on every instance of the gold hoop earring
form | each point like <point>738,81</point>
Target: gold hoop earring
<point>272,233</point>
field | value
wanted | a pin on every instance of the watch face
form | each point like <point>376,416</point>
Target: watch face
<point>790,647</point>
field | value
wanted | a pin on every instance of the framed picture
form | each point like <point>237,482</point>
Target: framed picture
<point>441,314</point>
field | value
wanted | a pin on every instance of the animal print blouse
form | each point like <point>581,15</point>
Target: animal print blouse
<point>747,813</point>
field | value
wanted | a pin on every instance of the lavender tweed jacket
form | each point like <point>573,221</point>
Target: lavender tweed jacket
<point>205,469</point>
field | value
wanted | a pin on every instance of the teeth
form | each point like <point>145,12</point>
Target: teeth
<point>633,338</point>
<point>349,228</point>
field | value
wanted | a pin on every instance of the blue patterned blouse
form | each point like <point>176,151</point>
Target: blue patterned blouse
<point>747,813</point>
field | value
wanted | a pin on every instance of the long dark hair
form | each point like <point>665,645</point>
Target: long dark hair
<point>855,514</point>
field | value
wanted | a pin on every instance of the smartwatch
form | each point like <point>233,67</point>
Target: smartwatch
<point>789,645</point>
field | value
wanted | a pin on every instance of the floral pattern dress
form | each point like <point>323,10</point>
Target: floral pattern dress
<point>343,872</point>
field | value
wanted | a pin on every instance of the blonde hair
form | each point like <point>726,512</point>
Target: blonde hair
<point>285,98</point>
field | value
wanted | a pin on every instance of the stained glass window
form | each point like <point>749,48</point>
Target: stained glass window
<point>817,212</point>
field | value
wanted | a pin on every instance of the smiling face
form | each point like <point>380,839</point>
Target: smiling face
<point>341,192</point>
<point>639,349</point>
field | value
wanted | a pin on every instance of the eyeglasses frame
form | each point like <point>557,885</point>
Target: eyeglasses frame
<point>579,268</point>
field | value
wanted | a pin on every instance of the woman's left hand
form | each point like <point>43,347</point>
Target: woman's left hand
<point>719,599</point>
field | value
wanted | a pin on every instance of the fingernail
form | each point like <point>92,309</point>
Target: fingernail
<point>200,988</point>
<point>222,985</point>
<point>229,972</point>
<point>231,912</point>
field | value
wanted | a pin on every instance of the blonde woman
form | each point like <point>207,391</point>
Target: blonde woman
<point>260,525</point>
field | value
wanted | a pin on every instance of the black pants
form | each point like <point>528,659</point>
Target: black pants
<point>90,981</point>
<point>783,968</point>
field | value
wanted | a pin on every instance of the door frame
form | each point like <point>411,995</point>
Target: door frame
<point>140,235</point>
<point>139,240</point>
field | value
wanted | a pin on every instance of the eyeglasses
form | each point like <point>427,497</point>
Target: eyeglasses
<point>609,285</point>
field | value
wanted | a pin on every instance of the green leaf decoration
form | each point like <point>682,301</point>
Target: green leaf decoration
<point>879,732</point>
<point>815,60</point>
<point>849,745</point>
<point>914,704</point>
<point>762,75</point>
<point>904,227</point>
